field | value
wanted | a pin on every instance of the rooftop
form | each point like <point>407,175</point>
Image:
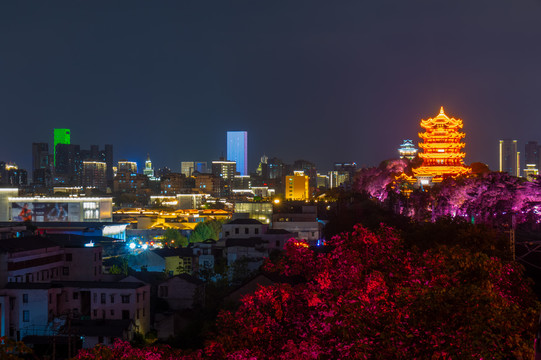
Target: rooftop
<point>245,222</point>
<point>25,244</point>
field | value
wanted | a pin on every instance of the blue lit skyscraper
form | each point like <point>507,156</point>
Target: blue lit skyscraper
<point>237,150</point>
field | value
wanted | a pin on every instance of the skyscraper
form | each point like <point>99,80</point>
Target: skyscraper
<point>237,150</point>
<point>61,136</point>
<point>531,153</point>
<point>94,175</point>
<point>41,171</point>
<point>224,169</point>
<point>509,157</point>
<point>148,170</point>
<point>68,166</point>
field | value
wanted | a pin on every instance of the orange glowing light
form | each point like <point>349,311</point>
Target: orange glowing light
<point>300,244</point>
<point>442,155</point>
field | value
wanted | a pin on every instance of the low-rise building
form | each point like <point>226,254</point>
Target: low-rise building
<point>243,229</point>
<point>304,223</point>
<point>181,291</point>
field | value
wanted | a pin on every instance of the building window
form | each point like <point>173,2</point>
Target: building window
<point>256,231</point>
<point>137,313</point>
<point>25,298</point>
<point>95,313</point>
<point>236,230</point>
<point>125,314</point>
<point>112,312</point>
<point>75,295</point>
<point>112,299</point>
<point>65,271</point>
<point>125,299</point>
<point>102,298</point>
<point>26,315</point>
<point>69,257</point>
<point>246,231</point>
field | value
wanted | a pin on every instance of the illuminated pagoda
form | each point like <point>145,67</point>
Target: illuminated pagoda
<point>442,155</point>
<point>407,150</point>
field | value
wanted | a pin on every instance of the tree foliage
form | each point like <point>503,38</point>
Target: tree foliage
<point>124,350</point>
<point>174,238</point>
<point>206,230</point>
<point>371,298</point>
<point>14,350</point>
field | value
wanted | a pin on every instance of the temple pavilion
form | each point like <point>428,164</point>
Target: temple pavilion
<point>442,149</point>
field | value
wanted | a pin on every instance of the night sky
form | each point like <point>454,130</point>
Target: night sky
<point>325,81</point>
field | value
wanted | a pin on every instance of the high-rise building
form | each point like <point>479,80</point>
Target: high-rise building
<point>107,156</point>
<point>201,167</point>
<point>263,167</point>
<point>531,153</point>
<point>61,136</point>
<point>11,175</point>
<point>148,170</point>
<point>127,166</point>
<point>237,150</point>
<point>187,168</point>
<point>297,187</point>
<point>275,168</point>
<point>68,164</point>
<point>442,149</point>
<point>94,175</point>
<point>350,168</point>
<point>41,169</point>
<point>509,157</point>
<point>322,181</point>
<point>337,178</point>
<point>224,168</point>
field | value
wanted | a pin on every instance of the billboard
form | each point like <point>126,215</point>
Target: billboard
<point>41,211</point>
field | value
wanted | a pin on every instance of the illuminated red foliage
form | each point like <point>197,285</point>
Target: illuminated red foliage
<point>370,298</point>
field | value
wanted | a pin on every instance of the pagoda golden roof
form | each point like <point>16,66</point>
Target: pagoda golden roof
<point>442,121</point>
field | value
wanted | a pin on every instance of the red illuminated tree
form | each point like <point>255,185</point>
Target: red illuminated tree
<point>371,298</point>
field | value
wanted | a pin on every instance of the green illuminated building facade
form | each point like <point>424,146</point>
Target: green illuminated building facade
<point>61,136</point>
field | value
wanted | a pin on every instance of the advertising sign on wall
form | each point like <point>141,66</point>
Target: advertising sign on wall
<point>22,212</point>
<point>39,211</point>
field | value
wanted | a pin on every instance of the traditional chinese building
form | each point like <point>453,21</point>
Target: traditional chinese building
<point>442,149</point>
<point>407,150</point>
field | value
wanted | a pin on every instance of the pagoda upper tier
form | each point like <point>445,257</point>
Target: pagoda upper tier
<point>442,155</point>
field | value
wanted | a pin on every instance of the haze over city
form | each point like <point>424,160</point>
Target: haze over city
<point>307,80</point>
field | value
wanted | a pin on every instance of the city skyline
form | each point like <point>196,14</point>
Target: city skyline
<point>347,82</point>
